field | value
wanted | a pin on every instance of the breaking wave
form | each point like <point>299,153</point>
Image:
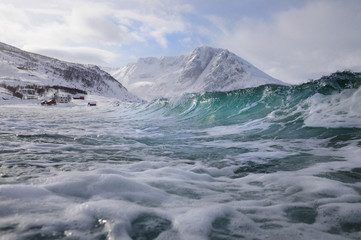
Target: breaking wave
<point>336,96</point>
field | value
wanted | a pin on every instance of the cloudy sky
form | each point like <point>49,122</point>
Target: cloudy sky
<point>292,40</point>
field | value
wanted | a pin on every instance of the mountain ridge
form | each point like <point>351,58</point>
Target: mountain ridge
<point>206,69</point>
<point>21,68</point>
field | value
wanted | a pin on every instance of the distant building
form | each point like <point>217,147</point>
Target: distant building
<point>27,93</point>
<point>62,97</point>
<point>79,97</point>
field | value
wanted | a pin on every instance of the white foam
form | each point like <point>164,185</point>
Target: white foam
<point>197,223</point>
<point>23,192</point>
<point>337,110</point>
<point>340,217</point>
<point>105,187</point>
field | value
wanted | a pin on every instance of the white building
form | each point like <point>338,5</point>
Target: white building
<point>62,97</point>
<point>28,93</point>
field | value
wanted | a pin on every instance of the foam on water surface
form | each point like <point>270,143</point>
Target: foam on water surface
<point>285,166</point>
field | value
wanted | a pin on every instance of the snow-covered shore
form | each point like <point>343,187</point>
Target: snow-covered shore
<point>6,99</point>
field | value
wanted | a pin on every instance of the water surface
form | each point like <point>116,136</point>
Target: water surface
<point>272,162</point>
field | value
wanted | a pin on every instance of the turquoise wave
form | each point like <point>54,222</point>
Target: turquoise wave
<point>319,108</point>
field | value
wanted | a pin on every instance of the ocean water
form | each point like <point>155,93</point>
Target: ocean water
<point>272,162</point>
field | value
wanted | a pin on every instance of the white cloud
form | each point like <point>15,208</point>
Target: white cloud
<point>294,44</point>
<point>60,25</point>
<point>94,23</point>
<point>321,37</point>
<point>13,22</point>
<point>151,26</point>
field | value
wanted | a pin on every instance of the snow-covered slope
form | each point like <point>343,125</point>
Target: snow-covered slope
<point>206,69</point>
<point>20,68</point>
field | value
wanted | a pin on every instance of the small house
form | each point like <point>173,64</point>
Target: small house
<point>27,93</point>
<point>62,97</point>
<point>79,97</point>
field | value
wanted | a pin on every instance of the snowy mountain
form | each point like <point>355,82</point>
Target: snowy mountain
<point>206,69</point>
<point>20,68</point>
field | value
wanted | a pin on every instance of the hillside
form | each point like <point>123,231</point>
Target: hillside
<point>20,68</point>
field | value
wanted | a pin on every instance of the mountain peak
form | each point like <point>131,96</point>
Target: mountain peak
<point>205,48</point>
<point>205,69</point>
